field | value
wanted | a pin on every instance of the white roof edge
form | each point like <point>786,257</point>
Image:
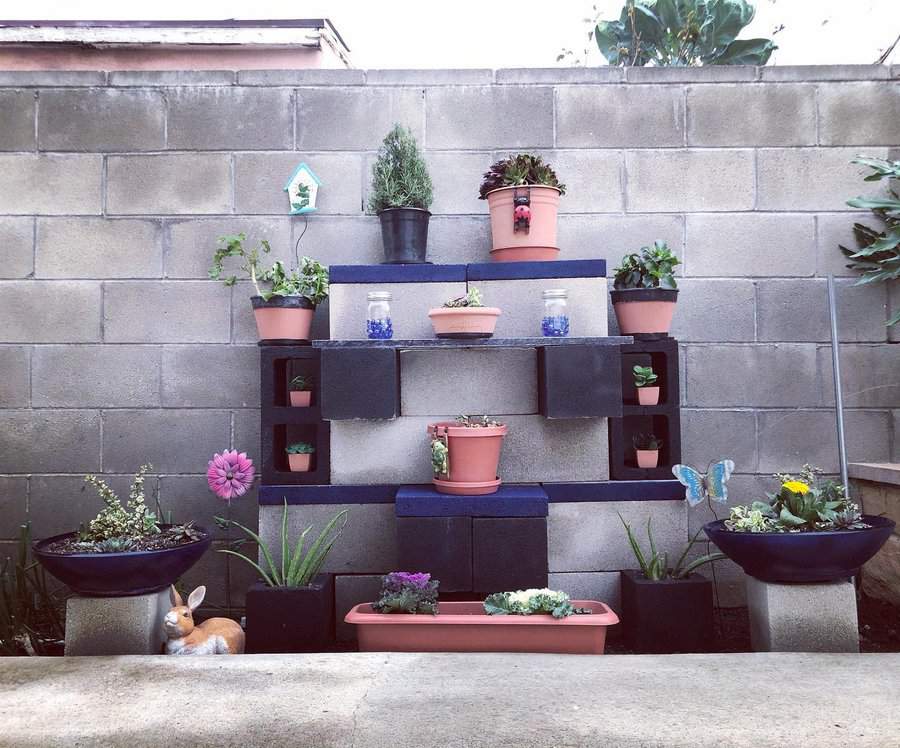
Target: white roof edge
<point>281,37</point>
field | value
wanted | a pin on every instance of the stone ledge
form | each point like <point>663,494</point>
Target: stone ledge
<point>430,77</point>
<point>824,73</point>
<point>705,74</point>
<point>171,77</point>
<point>877,472</point>
<point>52,78</point>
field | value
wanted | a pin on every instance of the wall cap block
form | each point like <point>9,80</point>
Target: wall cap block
<point>527,270</point>
<point>524,500</point>
<point>877,472</point>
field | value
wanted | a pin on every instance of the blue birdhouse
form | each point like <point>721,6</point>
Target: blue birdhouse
<point>302,189</point>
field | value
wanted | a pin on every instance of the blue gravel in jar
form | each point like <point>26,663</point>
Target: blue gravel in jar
<point>555,327</point>
<point>379,329</point>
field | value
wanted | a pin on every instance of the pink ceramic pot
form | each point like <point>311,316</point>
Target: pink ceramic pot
<point>647,458</point>
<point>299,463</point>
<point>647,395</point>
<point>474,456</point>
<point>283,317</point>
<point>644,310</point>
<point>539,241</point>
<point>301,398</point>
<point>464,322</point>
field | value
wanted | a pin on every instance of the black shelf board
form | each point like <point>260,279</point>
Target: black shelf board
<point>616,490</point>
<point>629,473</point>
<point>663,409</point>
<point>613,340</point>
<point>278,415</point>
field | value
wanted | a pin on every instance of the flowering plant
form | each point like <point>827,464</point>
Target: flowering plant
<point>230,474</point>
<point>529,602</point>
<point>405,592</point>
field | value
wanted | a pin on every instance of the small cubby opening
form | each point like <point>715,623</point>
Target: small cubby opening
<point>659,362</point>
<point>286,434</point>
<point>658,425</point>
<point>285,371</point>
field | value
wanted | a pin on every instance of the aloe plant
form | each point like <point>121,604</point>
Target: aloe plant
<point>655,565</point>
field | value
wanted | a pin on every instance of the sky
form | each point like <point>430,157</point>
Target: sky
<point>506,33</point>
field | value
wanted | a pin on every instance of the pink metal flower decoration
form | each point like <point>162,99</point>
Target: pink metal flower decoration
<point>230,474</point>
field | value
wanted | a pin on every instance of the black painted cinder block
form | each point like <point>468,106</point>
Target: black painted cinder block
<point>291,619</point>
<point>360,383</point>
<point>580,381</point>
<point>441,546</point>
<point>509,553</point>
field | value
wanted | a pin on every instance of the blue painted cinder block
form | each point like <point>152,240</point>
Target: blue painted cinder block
<point>419,273</point>
<point>510,501</point>
<point>484,271</point>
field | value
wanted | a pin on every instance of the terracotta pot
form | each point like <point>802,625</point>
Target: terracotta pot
<point>474,456</point>
<point>301,398</point>
<point>465,627</point>
<point>299,463</point>
<point>647,458</point>
<point>646,395</point>
<point>538,242</point>
<point>283,317</point>
<point>644,310</point>
<point>464,322</point>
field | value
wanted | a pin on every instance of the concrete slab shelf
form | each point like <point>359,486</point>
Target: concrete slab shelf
<point>473,272</point>
<point>611,340</point>
<point>289,414</point>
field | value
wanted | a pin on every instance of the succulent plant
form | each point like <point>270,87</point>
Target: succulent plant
<point>301,383</point>
<point>519,170</point>
<point>476,422</point>
<point>114,545</point>
<point>651,267</point>
<point>300,448</point>
<point>472,298</point>
<point>440,457</point>
<point>646,441</point>
<point>643,376</point>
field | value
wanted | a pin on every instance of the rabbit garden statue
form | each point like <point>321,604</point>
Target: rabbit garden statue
<point>213,636</point>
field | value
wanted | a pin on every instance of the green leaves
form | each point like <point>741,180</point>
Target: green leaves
<point>400,177</point>
<point>530,602</point>
<point>652,267</point>
<point>643,375</point>
<point>519,170</point>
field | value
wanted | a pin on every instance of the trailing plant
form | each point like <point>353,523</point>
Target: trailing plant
<point>643,376</point>
<point>877,256</point>
<point>300,448</point>
<point>531,601</point>
<point>405,592</point>
<point>301,383</point>
<point>646,441</point>
<point>655,564</point>
<point>400,176</point>
<point>651,267</point>
<point>518,171</point>
<point>471,299</point>
<point>297,567</point>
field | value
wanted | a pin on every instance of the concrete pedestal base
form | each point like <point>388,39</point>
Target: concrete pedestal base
<point>802,617</point>
<point>116,625</point>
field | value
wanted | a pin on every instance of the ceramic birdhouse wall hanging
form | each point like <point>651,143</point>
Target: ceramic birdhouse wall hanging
<point>302,189</point>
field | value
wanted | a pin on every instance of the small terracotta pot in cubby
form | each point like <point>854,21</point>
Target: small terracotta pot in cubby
<point>647,458</point>
<point>646,395</point>
<point>300,456</point>
<point>303,398</point>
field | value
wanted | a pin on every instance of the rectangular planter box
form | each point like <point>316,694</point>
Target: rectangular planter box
<point>671,615</point>
<point>465,627</point>
<point>291,619</point>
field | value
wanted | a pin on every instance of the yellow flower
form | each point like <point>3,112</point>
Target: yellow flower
<point>796,486</point>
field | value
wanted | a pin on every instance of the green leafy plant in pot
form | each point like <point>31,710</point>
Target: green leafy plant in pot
<point>301,391</point>
<point>464,317</point>
<point>645,382</point>
<point>300,456</point>
<point>644,291</point>
<point>646,450</point>
<point>401,196</point>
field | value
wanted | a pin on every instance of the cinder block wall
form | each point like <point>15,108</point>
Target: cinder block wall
<point>116,349</point>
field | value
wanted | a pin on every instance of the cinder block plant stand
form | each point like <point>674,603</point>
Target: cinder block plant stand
<point>116,625</point>
<point>817,617</point>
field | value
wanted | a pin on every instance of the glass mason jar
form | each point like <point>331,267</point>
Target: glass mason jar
<point>378,316</point>
<point>555,322</point>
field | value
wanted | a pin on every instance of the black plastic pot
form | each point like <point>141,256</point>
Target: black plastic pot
<point>802,556</point>
<point>404,232</point>
<point>120,574</point>
<point>291,619</point>
<point>671,615</point>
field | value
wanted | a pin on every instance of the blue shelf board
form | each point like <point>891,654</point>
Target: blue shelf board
<point>424,273</point>
<point>474,342</point>
<point>326,494</point>
<point>485,271</point>
<point>616,490</point>
<point>526,500</point>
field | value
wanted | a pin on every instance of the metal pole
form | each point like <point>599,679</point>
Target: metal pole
<point>838,396</point>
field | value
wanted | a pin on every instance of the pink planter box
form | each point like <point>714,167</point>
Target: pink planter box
<point>465,627</point>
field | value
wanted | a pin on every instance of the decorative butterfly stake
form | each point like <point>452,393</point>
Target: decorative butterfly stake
<point>702,487</point>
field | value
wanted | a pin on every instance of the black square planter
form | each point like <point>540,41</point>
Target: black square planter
<point>291,619</point>
<point>441,546</point>
<point>509,553</point>
<point>671,615</point>
<point>580,381</point>
<point>360,383</point>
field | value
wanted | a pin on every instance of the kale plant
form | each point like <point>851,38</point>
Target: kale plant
<point>519,171</point>
<point>400,176</point>
<point>404,592</point>
<point>529,602</point>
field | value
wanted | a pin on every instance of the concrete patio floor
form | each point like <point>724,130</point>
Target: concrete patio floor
<point>398,700</point>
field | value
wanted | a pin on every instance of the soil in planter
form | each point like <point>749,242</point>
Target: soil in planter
<point>163,541</point>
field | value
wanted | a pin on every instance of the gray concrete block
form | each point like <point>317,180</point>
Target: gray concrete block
<point>95,376</point>
<point>468,381</point>
<point>833,230</point>
<point>101,119</point>
<point>599,74</point>
<point>169,183</point>
<point>57,184</point>
<point>259,180</point>
<point>15,363</point>
<point>823,72</point>
<point>893,308</point>
<point>246,427</point>
<point>749,245</point>
<point>173,441</point>
<point>409,308</point>
<point>770,115</point>
<point>623,116</point>
<point>55,78</point>
<point>588,585</point>
<point>61,503</point>
<point>230,118</point>
<point>895,454</point>
<point>458,239</point>
<point>870,375</point>
<point>49,312</point>
<point>797,310</point>
<point>17,120</point>
<point>430,77</point>
<point>588,536</point>
<point>708,180</point>
<point>350,590</point>
<point>334,119</point>
<point>302,77</point>
<point>827,176</point>
<point>717,310</point>
<point>50,441</point>
<point>610,237</point>
<point>187,498</point>
<point>171,77</point>
<point>341,240</point>
<point>582,171</point>
<point>98,248</point>
<point>368,543</point>
<point>192,376</point>
<point>116,625</point>
<point>155,312</point>
<point>708,435</point>
<point>456,177</point>
<point>839,108</point>
<point>802,617</point>
<point>496,117</point>
<point>17,240</point>
<point>729,376</point>
<point>704,74</point>
<point>13,506</point>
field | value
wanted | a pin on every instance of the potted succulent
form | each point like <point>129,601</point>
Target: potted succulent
<point>809,531</point>
<point>523,197</point>
<point>646,450</point>
<point>644,292</point>
<point>284,309</point>
<point>645,383</point>
<point>666,608</point>
<point>465,454</point>
<point>464,317</point>
<point>401,196</point>
<point>300,456</point>
<point>301,391</point>
<point>125,550</point>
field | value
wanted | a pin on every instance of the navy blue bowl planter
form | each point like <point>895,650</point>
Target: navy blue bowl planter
<point>120,574</point>
<point>404,232</point>
<point>291,619</point>
<point>815,556</point>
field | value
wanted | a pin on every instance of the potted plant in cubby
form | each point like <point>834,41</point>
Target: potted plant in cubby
<point>300,456</point>
<point>301,391</point>
<point>644,291</point>
<point>523,197</point>
<point>401,196</point>
<point>285,304</point>
<point>645,383</point>
<point>465,454</point>
<point>646,450</point>
<point>464,317</point>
